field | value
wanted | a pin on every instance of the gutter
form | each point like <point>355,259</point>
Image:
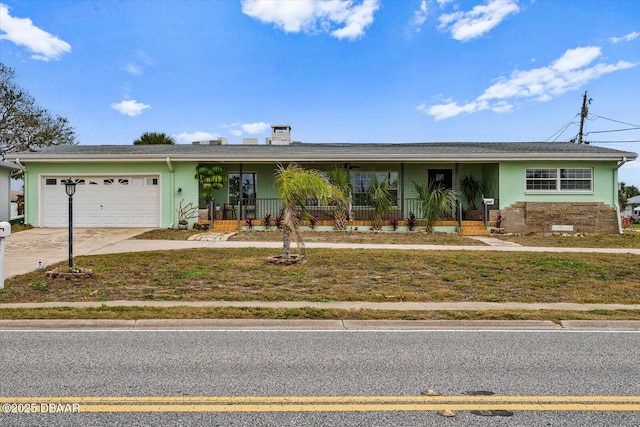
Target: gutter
<point>615,193</point>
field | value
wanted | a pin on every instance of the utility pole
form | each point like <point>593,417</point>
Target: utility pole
<point>583,115</point>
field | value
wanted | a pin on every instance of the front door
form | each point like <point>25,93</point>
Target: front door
<point>443,177</point>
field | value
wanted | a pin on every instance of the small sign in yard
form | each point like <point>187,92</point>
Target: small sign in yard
<point>562,228</point>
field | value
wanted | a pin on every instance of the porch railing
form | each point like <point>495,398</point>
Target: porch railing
<point>258,208</point>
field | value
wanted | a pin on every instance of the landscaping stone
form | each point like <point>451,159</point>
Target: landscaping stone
<point>81,273</point>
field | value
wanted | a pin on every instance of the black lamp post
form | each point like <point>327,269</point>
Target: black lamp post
<point>70,188</point>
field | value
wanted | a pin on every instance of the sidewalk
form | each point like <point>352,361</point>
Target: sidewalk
<point>340,305</point>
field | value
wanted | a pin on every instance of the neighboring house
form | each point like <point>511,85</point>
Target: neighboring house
<point>6,169</point>
<point>633,207</point>
<point>536,187</point>
<point>17,204</point>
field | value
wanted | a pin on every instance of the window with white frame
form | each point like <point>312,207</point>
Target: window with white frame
<point>361,181</point>
<point>559,179</point>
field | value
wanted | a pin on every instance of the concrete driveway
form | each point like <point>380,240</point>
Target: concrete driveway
<point>25,249</point>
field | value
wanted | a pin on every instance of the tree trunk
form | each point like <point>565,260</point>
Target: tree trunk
<point>286,242</point>
<point>339,220</point>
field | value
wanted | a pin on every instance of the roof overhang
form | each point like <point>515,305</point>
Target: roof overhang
<point>10,166</point>
<point>363,158</point>
<point>327,153</point>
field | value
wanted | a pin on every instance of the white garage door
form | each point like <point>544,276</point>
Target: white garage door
<point>106,201</point>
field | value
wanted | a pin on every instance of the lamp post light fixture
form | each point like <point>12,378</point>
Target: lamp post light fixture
<point>70,189</point>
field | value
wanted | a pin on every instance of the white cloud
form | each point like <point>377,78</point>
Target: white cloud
<point>134,69</point>
<point>569,72</point>
<point>255,128</point>
<point>188,138</point>
<point>420,15</point>
<point>465,26</point>
<point>576,58</point>
<point>239,129</point>
<point>631,36</point>
<point>22,32</point>
<point>130,108</point>
<point>341,18</point>
<point>451,109</point>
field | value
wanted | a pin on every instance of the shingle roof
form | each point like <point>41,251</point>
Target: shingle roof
<point>405,152</point>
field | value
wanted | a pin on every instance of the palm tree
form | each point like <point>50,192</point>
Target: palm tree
<point>295,186</point>
<point>471,188</point>
<point>340,179</point>
<point>154,138</point>
<point>435,201</point>
<point>379,198</point>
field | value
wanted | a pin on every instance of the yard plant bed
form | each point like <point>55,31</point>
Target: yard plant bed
<point>341,275</point>
<point>628,240</point>
<point>382,237</point>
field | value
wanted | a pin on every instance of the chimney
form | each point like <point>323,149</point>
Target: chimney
<point>250,141</point>
<point>280,135</point>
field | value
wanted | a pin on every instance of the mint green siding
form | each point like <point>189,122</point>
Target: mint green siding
<point>513,188</point>
<point>169,182</point>
<point>504,181</point>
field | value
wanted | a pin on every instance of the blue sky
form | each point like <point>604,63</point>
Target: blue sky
<point>336,70</point>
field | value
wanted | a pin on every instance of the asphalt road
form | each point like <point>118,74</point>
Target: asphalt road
<point>347,378</point>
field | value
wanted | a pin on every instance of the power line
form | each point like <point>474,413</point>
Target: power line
<point>612,130</point>
<point>560,131</point>
<point>617,121</point>
<point>614,142</point>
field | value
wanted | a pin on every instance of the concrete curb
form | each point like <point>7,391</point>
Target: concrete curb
<point>320,325</point>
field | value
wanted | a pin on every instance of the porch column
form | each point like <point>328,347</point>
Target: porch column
<point>402,212</point>
<point>456,186</point>
<point>240,197</point>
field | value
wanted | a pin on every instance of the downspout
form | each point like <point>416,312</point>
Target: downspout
<point>615,193</point>
<point>20,165</point>
<point>173,196</point>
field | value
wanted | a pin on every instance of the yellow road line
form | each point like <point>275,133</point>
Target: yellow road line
<point>320,399</point>
<point>358,407</point>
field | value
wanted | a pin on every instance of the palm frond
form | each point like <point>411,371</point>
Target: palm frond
<point>435,201</point>
<point>295,186</point>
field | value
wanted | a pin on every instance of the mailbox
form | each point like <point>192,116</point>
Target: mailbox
<point>5,229</point>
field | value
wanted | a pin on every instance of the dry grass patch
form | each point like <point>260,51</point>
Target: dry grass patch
<point>167,234</point>
<point>373,237</point>
<point>627,240</point>
<point>341,275</point>
<point>136,313</point>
